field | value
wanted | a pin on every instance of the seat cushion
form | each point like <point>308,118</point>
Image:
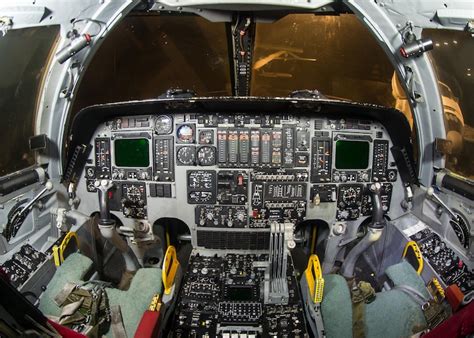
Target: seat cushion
<point>133,302</point>
<point>391,314</point>
<point>404,274</point>
<point>394,313</point>
<point>336,307</point>
<point>74,269</point>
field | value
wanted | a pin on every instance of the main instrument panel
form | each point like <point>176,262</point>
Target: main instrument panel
<point>240,172</point>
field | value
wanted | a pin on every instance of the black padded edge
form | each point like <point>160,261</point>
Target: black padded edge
<point>86,121</point>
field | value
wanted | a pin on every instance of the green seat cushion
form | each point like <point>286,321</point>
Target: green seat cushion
<point>336,307</point>
<point>133,302</point>
<point>393,314</point>
<point>74,268</point>
<point>404,274</point>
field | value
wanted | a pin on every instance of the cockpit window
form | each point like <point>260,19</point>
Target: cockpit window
<point>333,54</point>
<point>452,59</point>
<point>147,54</point>
<point>24,60</point>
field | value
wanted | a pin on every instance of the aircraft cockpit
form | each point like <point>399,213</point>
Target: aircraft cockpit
<point>236,169</point>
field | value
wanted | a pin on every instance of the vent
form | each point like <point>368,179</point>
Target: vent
<point>232,240</point>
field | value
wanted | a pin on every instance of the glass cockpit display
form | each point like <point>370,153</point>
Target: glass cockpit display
<point>132,153</point>
<point>352,154</point>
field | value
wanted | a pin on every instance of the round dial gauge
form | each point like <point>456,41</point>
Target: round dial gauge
<point>186,156</point>
<point>206,156</point>
<point>349,196</point>
<point>185,133</point>
<point>163,125</point>
<point>133,193</point>
<point>206,137</point>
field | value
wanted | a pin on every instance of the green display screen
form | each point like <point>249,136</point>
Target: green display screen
<point>352,154</point>
<point>132,153</point>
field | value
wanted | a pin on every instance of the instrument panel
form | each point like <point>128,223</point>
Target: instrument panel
<point>242,171</point>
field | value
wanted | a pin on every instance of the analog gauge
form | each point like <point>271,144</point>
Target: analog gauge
<point>206,136</point>
<point>133,193</point>
<point>185,133</point>
<point>163,125</point>
<point>186,156</point>
<point>206,156</point>
<point>349,196</point>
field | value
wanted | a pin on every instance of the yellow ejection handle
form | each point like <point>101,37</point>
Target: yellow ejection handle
<point>58,251</point>
<point>170,267</point>
<point>417,252</point>
<point>314,277</point>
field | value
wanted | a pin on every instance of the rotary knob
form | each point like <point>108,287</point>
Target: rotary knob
<point>241,216</point>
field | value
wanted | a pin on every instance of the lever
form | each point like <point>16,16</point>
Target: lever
<point>15,223</point>
<point>430,192</point>
<point>375,229</point>
<point>107,226</point>
<point>47,187</point>
<point>104,187</point>
<point>378,221</point>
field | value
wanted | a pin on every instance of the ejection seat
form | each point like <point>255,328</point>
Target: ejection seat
<point>393,313</point>
<point>133,302</point>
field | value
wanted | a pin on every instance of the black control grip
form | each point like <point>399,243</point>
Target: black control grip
<point>17,181</point>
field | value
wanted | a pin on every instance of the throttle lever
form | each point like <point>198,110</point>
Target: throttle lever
<point>19,217</point>
<point>431,193</point>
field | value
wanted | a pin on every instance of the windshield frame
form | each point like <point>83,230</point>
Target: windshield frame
<point>384,23</point>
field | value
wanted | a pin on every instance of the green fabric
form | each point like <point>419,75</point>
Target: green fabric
<point>393,314</point>
<point>404,274</point>
<point>133,302</point>
<point>336,307</point>
<point>73,270</point>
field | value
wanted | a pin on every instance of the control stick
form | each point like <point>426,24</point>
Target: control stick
<point>107,225</point>
<point>375,229</point>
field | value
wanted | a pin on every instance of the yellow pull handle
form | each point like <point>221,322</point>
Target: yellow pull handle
<point>170,267</point>
<point>314,277</point>
<point>58,251</point>
<point>57,260</point>
<point>417,252</point>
